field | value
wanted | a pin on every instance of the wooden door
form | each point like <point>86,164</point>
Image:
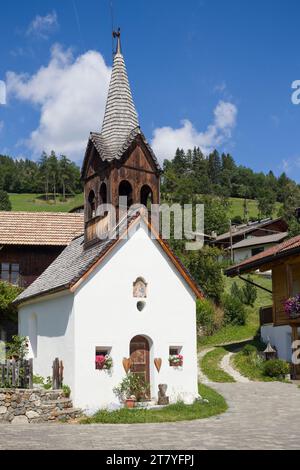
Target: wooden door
<point>139,355</point>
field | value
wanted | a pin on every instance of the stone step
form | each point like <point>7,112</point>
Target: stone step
<point>61,403</point>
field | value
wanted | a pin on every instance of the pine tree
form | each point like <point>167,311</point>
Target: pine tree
<point>5,204</point>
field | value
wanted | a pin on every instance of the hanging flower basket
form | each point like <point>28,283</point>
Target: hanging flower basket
<point>176,360</point>
<point>103,362</point>
<point>292,307</point>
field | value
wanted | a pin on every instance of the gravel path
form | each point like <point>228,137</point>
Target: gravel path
<point>227,367</point>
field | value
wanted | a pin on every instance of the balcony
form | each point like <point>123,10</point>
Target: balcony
<point>266,315</point>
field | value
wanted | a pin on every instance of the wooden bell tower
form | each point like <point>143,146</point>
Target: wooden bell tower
<point>118,161</point>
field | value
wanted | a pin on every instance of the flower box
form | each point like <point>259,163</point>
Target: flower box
<point>176,360</point>
<point>292,307</point>
<point>103,362</point>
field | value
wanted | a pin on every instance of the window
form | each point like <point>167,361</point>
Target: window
<point>175,350</point>
<point>92,205</point>
<point>9,272</point>
<point>103,358</point>
<point>257,250</point>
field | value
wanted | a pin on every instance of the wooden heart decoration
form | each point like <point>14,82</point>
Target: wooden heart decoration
<point>126,364</point>
<point>157,362</point>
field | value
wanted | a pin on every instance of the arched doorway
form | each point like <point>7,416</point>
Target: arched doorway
<point>125,189</point>
<point>146,197</point>
<point>140,357</point>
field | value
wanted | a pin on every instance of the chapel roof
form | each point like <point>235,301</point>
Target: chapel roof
<point>75,262</point>
<point>120,125</point>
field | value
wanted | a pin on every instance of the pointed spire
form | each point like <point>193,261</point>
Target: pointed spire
<point>120,116</point>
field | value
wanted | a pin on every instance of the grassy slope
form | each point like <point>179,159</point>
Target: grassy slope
<point>36,203</point>
<point>238,209</point>
<point>176,412</point>
<point>210,366</point>
<point>232,333</point>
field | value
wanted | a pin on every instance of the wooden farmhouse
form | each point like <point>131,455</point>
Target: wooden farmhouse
<point>276,326</point>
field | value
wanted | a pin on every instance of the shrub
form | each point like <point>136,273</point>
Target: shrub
<point>209,317</point>
<point>207,271</point>
<point>234,310</point>
<point>5,204</point>
<point>249,349</point>
<point>237,292</point>
<point>66,391</point>
<point>18,347</point>
<point>8,293</point>
<point>205,316</point>
<point>249,293</point>
<point>276,368</point>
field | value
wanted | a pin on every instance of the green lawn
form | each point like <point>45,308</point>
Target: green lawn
<point>251,367</point>
<point>37,203</point>
<point>171,413</point>
<point>237,208</point>
<point>236,333</point>
<point>210,365</point>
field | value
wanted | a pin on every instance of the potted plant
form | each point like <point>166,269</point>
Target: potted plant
<point>103,362</point>
<point>292,307</point>
<point>133,388</point>
<point>176,360</point>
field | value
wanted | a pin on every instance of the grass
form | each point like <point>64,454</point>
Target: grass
<point>237,208</point>
<point>210,366</point>
<point>171,413</point>
<point>237,333</point>
<point>37,203</point>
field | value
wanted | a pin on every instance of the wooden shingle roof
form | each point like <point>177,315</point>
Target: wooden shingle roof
<point>39,228</point>
<point>120,127</point>
<point>75,262</point>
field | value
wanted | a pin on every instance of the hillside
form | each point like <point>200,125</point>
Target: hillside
<point>37,203</point>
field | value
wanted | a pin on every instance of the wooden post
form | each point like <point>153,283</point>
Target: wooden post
<point>231,249</point>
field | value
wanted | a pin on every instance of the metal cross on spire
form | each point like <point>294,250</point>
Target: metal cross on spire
<point>117,34</point>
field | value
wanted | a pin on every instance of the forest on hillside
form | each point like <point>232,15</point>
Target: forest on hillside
<point>188,177</point>
<point>50,175</point>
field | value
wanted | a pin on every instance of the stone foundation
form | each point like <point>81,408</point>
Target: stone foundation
<point>20,406</point>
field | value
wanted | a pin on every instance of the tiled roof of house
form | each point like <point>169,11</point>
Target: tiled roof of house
<point>253,241</point>
<point>281,250</point>
<point>39,228</point>
<point>75,261</point>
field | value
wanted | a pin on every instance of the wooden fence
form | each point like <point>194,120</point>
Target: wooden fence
<point>57,374</point>
<point>16,374</point>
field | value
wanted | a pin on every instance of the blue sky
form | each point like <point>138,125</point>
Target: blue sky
<point>209,72</point>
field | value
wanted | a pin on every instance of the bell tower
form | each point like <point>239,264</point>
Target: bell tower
<point>118,160</point>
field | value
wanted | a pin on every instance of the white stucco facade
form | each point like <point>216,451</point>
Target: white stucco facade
<point>103,313</point>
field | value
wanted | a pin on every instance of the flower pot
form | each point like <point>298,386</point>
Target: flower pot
<point>130,403</point>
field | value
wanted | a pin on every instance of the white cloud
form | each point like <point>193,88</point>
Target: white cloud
<point>70,93</point>
<point>42,26</point>
<point>166,139</point>
<point>2,92</point>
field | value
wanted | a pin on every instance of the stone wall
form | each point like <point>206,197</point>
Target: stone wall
<point>20,406</point>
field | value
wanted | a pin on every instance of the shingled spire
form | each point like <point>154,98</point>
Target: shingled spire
<point>120,117</point>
